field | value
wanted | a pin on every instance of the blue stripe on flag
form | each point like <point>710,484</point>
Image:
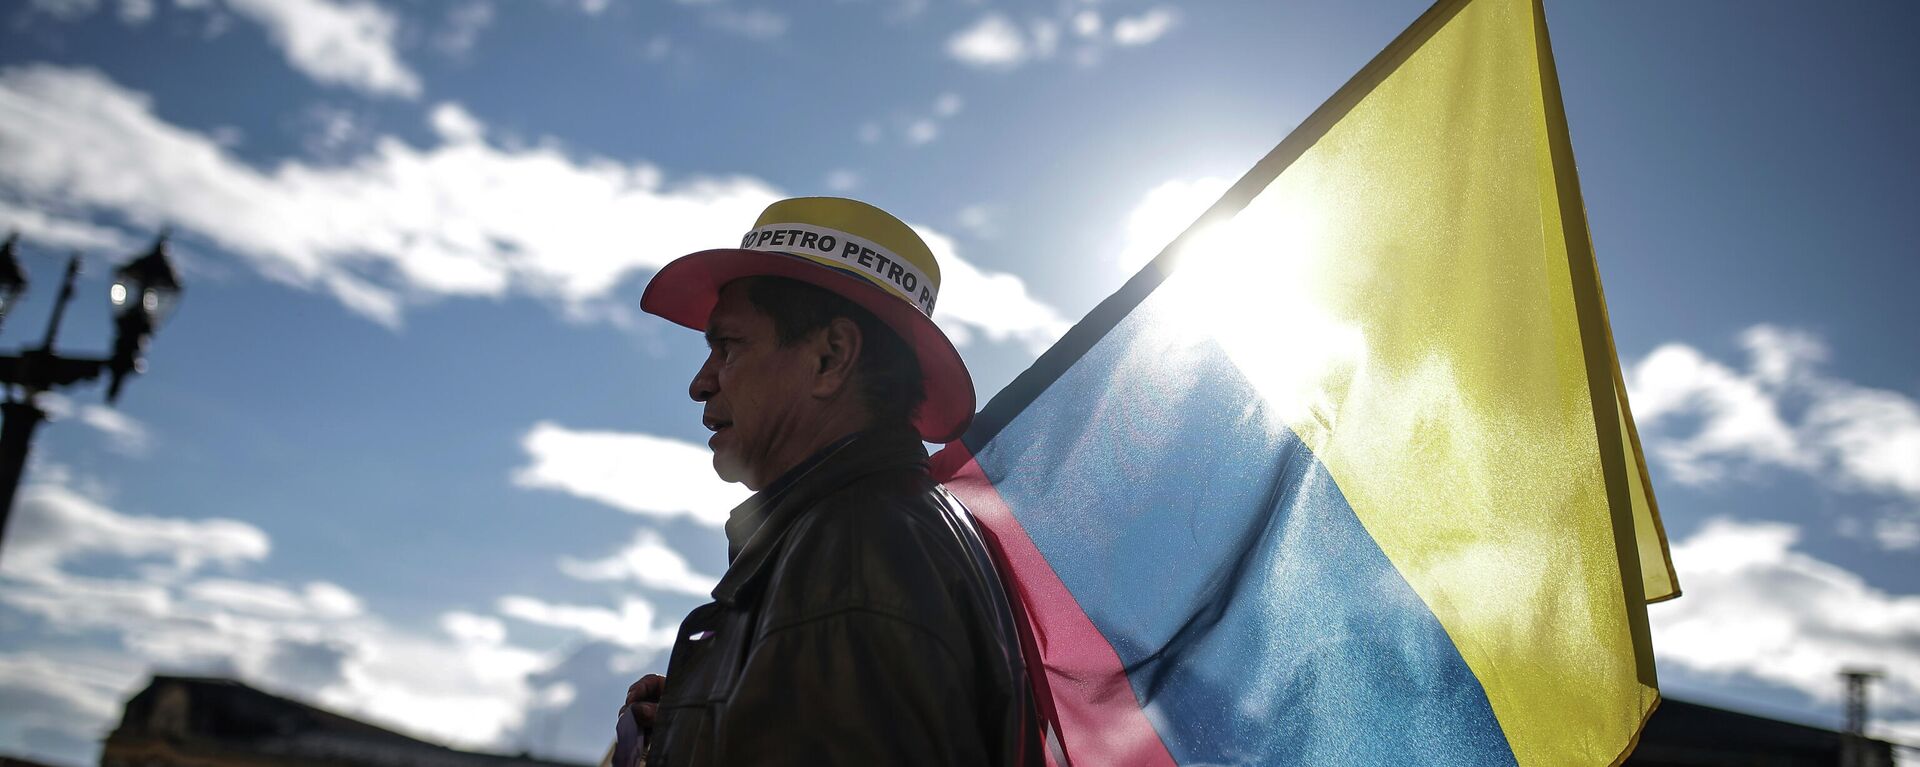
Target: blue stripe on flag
<point>1258,621</point>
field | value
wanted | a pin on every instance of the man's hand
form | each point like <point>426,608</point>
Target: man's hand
<point>635,727</point>
<point>643,699</point>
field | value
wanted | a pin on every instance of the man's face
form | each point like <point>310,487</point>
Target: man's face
<point>756,391</point>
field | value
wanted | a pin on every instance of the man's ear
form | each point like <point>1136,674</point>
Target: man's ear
<point>836,357</point>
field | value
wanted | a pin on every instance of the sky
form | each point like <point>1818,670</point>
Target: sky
<point>408,449</point>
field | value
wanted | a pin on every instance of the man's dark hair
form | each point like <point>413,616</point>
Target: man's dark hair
<point>889,372</point>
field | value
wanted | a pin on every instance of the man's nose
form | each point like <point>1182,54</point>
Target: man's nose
<point>704,383</point>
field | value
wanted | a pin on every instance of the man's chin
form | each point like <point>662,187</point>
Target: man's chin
<point>728,467</point>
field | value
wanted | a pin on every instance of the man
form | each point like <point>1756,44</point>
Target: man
<point>860,620</point>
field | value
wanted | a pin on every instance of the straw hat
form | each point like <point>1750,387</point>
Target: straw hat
<point>855,250</point>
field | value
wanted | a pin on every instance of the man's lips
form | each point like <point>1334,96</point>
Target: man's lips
<point>715,424</point>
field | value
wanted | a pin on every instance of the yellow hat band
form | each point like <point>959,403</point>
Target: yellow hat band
<point>850,253</point>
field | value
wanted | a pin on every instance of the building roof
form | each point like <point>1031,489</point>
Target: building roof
<point>210,717</point>
<point>1682,733</point>
<point>217,720</point>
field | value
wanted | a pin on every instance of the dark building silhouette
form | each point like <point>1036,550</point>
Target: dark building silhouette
<point>206,722</point>
<point>1682,734</point>
<point>203,722</point>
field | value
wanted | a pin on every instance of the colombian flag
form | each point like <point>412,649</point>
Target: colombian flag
<point>1347,475</point>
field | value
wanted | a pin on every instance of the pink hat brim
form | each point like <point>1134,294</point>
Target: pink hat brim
<point>684,292</point>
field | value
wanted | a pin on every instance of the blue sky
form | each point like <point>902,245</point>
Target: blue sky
<point>409,450</point>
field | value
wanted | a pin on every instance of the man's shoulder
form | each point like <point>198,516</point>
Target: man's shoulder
<point>890,518</point>
<point>880,543</point>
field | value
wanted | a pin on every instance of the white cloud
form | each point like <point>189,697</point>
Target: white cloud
<point>331,132</point>
<point>557,695</point>
<point>1738,415</point>
<point>993,42</point>
<point>473,629</point>
<point>315,641</point>
<point>59,700</point>
<point>1703,419</point>
<point>1145,28</point>
<point>1897,533</point>
<point>124,433</point>
<point>1759,609</point>
<point>321,599</point>
<point>922,132</point>
<point>468,689</point>
<point>842,180</point>
<point>648,561</point>
<point>136,12</point>
<point>753,24</point>
<point>227,136</point>
<point>639,473</point>
<point>330,600</point>
<point>1045,38</point>
<point>463,219</point>
<point>1161,215</point>
<point>55,523</point>
<point>1871,435</point>
<point>996,305</point>
<point>981,221</point>
<point>87,694</point>
<point>338,42</point>
<point>131,12</point>
<point>394,226</point>
<point>67,10</point>
<point>1086,23</point>
<point>632,626</point>
<point>456,125</point>
<point>1782,356</point>
<point>246,597</point>
<point>917,128</point>
<point>947,105</point>
<point>43,228</point>
<point>128,434</point>
<point>462,28</point>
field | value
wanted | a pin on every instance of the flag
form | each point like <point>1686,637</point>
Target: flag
<point>1347,474</point>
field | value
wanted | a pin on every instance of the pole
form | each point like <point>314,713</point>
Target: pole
<point>1856,702</point>
<point>19,418</point>
<point>60,305</point>
<point>1853,742</point>
<point>16,436</point>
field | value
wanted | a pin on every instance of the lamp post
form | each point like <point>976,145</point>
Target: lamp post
<point>13,282</point>
<point>144,292</point>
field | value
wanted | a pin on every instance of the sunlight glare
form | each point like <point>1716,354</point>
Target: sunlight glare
<point>1256,285</point>
<point>1163,214</point>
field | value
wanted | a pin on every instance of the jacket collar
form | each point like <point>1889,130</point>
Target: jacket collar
<point>755,527</point>
<point>746,519</point>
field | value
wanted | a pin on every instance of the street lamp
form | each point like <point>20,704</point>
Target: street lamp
<point>151,277</point>
<point>144,292</point>
<point>13,282</point>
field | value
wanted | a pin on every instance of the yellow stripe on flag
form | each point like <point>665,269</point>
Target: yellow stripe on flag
<point>1424,262</point>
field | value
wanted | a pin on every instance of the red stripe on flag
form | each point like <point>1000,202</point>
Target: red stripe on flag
<point>1084,693</point>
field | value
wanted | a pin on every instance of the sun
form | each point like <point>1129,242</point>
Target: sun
<point>1259,286</point>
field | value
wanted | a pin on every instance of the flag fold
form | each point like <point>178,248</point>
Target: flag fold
<point>1347,475</point>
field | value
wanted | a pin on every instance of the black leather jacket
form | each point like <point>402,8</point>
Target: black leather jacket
<point>861,622</point>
